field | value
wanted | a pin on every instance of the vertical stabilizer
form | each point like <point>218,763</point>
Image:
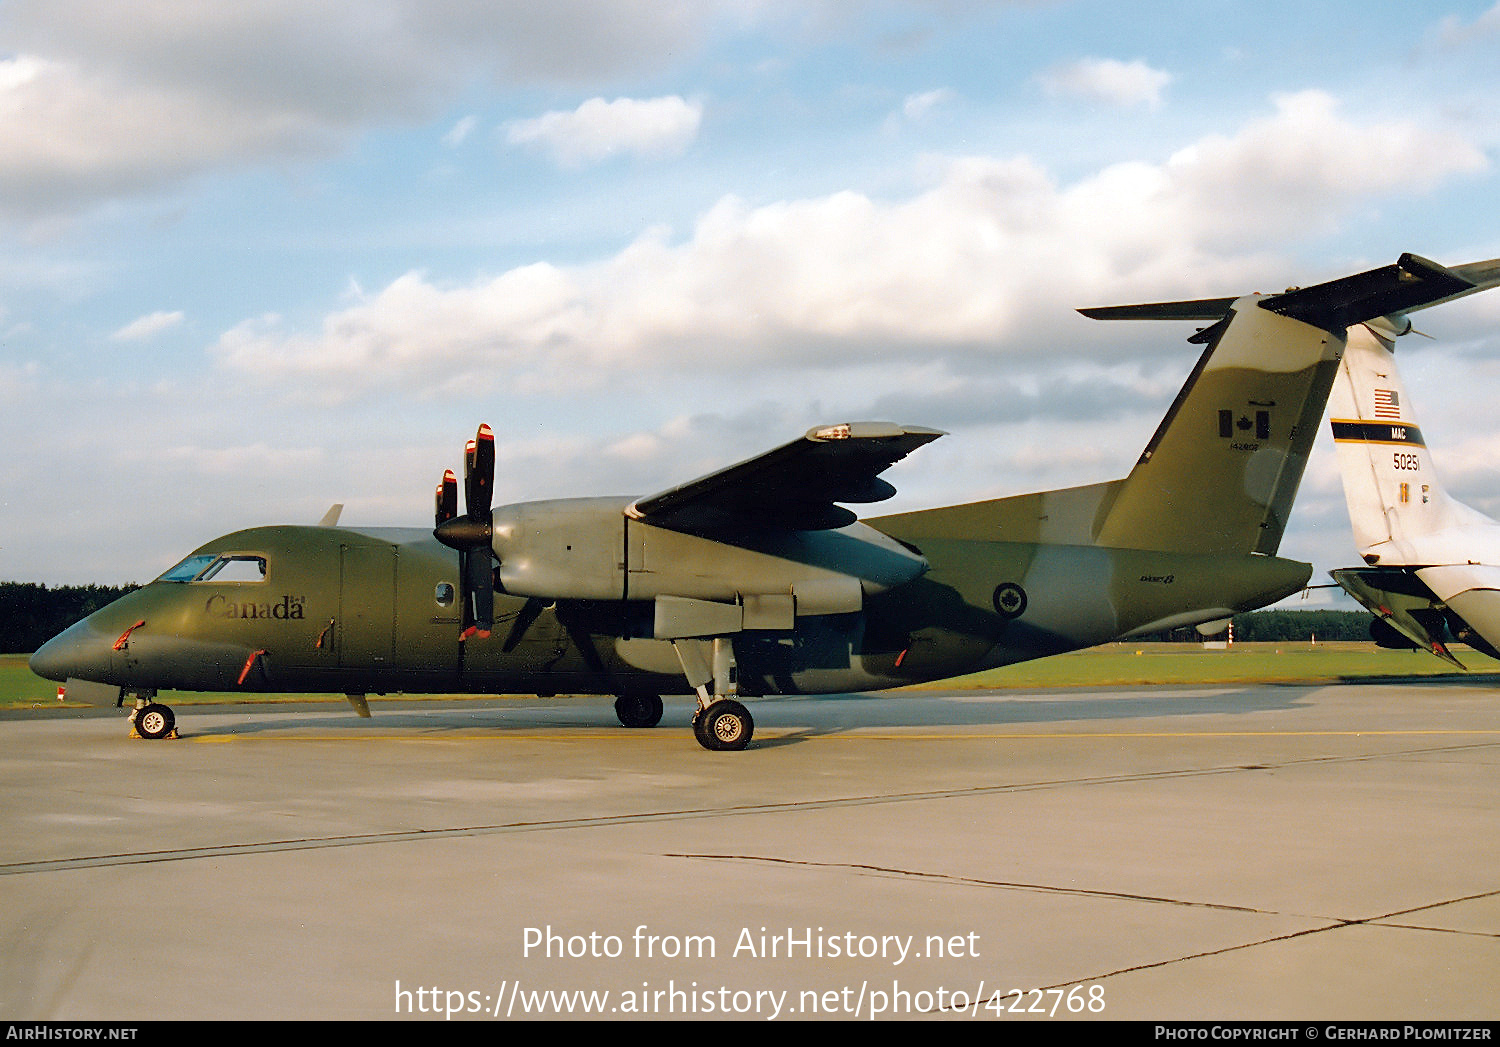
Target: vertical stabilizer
<point>1222,470</point>
<point>1399,509</point>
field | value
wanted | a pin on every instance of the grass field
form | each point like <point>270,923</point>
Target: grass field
<point>1119,664</point>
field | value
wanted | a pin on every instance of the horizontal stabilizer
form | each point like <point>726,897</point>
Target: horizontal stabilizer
<point>1480,276</point>
<point>1199,309</point>
<point>1411,283</point>
<point>1402,602</point>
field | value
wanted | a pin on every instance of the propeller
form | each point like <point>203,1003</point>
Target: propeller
<point>472,533</point>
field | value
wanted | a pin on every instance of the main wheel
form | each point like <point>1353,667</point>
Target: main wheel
<point>725,726</point>
<point>638,710</point>
<point>154,721</point>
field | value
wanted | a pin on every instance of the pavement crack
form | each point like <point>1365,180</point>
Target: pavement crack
<point>972,881</point>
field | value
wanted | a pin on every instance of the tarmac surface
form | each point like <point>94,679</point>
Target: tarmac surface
<point>1225,852</point>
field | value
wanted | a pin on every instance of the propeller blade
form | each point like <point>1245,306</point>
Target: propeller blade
<point>479,593</point>
<point>578,632</point>
<point>470,451</point>
<point>447,498</point>
<point>479,479</point>
<point>530,611</point>
<point>471,534</point>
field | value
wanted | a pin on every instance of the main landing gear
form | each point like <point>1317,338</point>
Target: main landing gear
<point>724,725</point>
<point>638,710</point>
<point>720,725</point>
<point>150,719</point>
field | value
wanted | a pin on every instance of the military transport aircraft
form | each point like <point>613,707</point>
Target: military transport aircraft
<point>1432,564</point>
<point>754,580</point>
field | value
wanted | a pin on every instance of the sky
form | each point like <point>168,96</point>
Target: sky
<point>259,258</point>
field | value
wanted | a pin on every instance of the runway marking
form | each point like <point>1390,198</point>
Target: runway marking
<point>607,821</point>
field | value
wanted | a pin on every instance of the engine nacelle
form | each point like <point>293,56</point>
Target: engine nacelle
<point>589,549</point>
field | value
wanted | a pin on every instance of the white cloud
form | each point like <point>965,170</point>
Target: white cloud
<point>916,106</point>
<point>990,261</point>
<point>598,129</point>
<point>460,132</point>
<point>147,326</point>
<point>1301,168</point>
<point>16,73</point>
<point>73,134</point>
<point>1107,80</point>
<point>1453,31</point>
<point>103,100</point>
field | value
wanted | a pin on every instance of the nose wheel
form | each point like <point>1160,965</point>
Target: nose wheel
<point>153,720</point>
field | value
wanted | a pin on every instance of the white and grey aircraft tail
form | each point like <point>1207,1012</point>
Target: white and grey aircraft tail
<point>1432,564</point>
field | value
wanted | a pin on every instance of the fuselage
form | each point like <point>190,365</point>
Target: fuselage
<point>331,609</point>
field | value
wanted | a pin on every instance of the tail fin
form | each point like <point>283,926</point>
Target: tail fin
<point>1398,507</point>
<point>1220,474</point>
<point>1222,470</point>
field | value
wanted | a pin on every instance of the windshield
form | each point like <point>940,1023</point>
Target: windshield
<point>189,569</point>
<point>228,568</point>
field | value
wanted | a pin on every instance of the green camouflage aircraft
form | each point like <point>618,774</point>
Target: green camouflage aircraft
<point>754,580</point>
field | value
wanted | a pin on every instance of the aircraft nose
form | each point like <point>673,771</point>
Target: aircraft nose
<point>79,651</point>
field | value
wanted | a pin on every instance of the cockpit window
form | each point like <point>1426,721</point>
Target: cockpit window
<point>234,568</point>
<point>189,569</point>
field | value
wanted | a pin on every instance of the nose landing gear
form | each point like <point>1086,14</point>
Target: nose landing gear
<point>152,720</point>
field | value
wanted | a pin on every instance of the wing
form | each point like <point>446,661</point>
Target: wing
<point>794,487</point>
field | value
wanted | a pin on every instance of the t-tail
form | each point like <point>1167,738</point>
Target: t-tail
<point>1432,563</point>
<point>1222,471</point>
<point>1191,535</point>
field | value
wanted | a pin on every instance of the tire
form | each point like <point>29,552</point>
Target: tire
<point>638,710</point>
<point>154,721</point>
<point>725,726</point>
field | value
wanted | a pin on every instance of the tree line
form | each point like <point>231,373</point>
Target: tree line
<point>31,614</point>
<point>1277,626</point>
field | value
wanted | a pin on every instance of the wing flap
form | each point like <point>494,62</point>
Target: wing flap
<point>793,487</point>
